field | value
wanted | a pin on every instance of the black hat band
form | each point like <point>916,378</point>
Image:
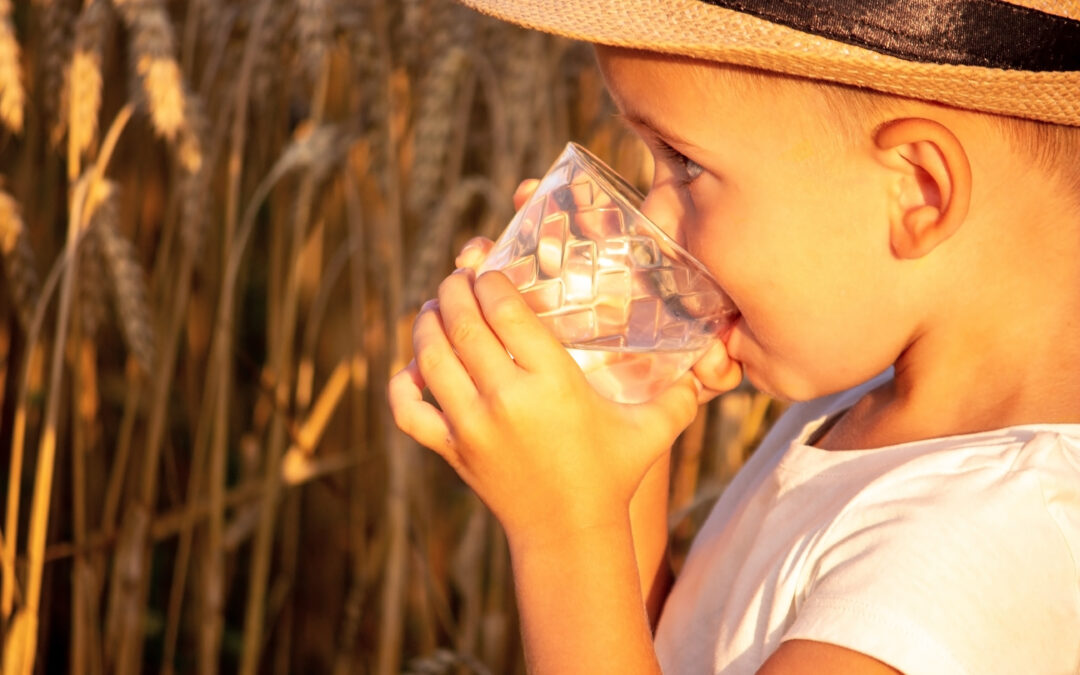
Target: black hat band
<point>985,33</point>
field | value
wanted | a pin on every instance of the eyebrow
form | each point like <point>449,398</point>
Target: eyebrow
<point>638,119</point>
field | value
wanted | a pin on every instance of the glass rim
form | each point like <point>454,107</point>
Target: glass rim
<point>599,171</point>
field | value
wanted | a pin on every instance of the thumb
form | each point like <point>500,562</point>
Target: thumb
<point>673,409</point>
<point>717,372</point>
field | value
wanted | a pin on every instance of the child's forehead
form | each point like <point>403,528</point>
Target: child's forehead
<point>633,66</point>
<point>665,83</point>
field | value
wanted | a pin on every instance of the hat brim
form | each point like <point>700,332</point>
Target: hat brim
<point>701,30</point>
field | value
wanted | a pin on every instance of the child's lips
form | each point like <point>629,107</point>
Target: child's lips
<point>732,322</point>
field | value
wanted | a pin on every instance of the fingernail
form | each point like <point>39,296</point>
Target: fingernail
<point>469,257</point>
<point>429,305</point>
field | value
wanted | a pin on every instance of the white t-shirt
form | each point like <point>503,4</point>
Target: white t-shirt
<point>955,555</point>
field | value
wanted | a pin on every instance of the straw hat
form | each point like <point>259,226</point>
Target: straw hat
<point>1019,58</point>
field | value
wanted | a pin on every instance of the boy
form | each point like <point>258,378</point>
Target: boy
<point>904,259</point>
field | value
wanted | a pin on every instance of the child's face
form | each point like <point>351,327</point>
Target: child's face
<point>789,215</point>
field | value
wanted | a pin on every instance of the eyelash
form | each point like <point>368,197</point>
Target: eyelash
<point>676,158</point>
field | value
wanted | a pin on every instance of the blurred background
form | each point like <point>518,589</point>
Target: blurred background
<point>217,221</point>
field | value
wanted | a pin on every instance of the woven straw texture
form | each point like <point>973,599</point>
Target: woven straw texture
<point>697,29</point>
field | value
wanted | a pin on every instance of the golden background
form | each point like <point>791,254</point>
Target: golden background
<point>217,220</point>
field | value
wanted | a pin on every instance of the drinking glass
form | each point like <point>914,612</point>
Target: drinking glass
<point>633,308</point>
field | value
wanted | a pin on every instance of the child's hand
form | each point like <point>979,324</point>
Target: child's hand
<point>527,433</point>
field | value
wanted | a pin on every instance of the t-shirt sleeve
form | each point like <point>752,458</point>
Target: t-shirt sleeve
<point>975,577</point>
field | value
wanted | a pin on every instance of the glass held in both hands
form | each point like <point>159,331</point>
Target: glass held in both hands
<point>631,306</point>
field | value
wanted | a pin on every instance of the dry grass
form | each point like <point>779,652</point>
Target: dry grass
<point>217,220</point>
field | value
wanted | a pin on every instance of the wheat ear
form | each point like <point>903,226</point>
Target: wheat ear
<point>92,297</point>
<point>84,77</point>
<point>19,265</point>
<point>434,128</point>
<point>314,32</point>
<point>12,93</point>
<point>127,281</point>
<point>194,183</point>
<point>153,53</point>
<point>57,24</point>
<point>431,255</point>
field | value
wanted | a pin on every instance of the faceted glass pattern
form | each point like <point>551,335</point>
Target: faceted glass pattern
<point>633,308</point>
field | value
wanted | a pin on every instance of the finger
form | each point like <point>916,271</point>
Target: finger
<point>524,190</point>
<point>473,252</point>
<point>416,417</point>
<point>517,326</point>
<point>479,350</point>
<point>439,366</point>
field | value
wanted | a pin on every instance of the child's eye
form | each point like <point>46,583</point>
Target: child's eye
<point>689,168</point>
<point>693,169</point>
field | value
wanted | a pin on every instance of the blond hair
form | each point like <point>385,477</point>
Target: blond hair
<point>1053,149</point>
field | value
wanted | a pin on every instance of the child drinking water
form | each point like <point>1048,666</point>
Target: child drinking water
<point>890,195</point>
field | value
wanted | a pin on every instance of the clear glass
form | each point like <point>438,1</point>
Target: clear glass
<point>633,308</point>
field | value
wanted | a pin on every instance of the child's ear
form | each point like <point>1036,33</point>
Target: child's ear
<point>932,187</point>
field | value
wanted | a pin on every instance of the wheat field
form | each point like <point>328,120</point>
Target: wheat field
<point>217,221</point>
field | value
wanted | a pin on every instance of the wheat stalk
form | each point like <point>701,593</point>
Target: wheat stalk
<point>84,395</point>
<point>281,357</point>
<point>128,286</point>
<point>686,469</point>
<point>400,451</point>
<point>147,20</point>
<point>12,93</point>
<point>39,515</point>
<point>358,423</point>
<point>22,280</point>
<point>310,150</point>
<point>466,568</point>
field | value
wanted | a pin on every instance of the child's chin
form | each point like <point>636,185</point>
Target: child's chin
<point>773,384</point>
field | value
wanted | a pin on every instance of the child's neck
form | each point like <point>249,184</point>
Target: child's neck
<point>1004,365</point>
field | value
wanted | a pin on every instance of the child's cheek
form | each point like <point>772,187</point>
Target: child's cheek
<point>708,236</point>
